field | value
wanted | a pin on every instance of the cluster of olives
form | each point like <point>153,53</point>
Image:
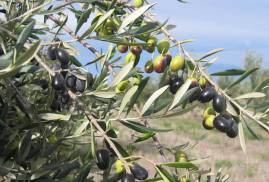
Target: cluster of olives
<point>138,172</point>
<point>64,78</point>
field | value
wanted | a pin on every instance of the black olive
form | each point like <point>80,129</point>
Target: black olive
<point>90,78</point>
<point>207,94</point>
<point>234,130</point>
<point>70,80</point>
<point>219,103</point>
<point>65,97</point>
<point>64,67</point>
<point>55,67</point>
<point>128,178</point>
<point>58,82</point>
<point>62,55</point>
<point>175,84</point>
<point>102,156</point>
<point>221,124</point>
<point>195,96</point>
<point>51,52</point>
<point>80,85</point>
<point>139,172</point>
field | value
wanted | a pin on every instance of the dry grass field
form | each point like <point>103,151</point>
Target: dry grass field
<point>225,153</point>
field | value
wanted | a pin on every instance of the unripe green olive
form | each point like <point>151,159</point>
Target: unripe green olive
<point>119,167</point>
<point>138,3</point>
<point>163,46</point>
<point>209,111</point>
<point>180,156</point>
<point>131,57</point>
<point>149,66</point>
<point>159,64</point>
<point>123,85</point>
<point>53,138</point>
<point>177,63</point>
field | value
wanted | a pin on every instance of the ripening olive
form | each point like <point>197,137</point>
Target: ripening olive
<point>139,172</point>
<point>80,85</point>
<point>207,94</point>
<point>180,156</point>
<point>51,52</point>
<point>159,64</point>
<point>203,83</point>
<point>131,57</point>
<point>219,103</point>
<point>221,124</point>
<point>149,66</point>
<point>168,58</point>
<point>102,156</point>
<point>209,111</point>
<point>122,48</point>
<point>136,50</point>
<point>194,82</point>
<point>138,3</point>
<point>208,122</point>
<point>58,82</point>
<point>128,178</point>
<point>176,63</point>
<point>62,55</point>
<point>163,46</point>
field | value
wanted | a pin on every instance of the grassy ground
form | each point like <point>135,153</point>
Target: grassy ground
<point>225,153</point>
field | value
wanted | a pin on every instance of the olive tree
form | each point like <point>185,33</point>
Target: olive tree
<point>52,107</point>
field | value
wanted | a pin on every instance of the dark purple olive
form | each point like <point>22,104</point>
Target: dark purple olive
<point>70,80</point>
<point>221,124</point>
<point>51,52</point>
<point>128,178</point>
<point>102,156</point>
<point>195,96</point>
<point>139,172</point>
<point>175,83</point>
<point>207,94</point>
<point>80,85</point>
<point>65,97</point>
<point>62,55</point>
<point>55,67</point>
<point>219,103</point>
<point>58,82</point>
<point>234,130</point>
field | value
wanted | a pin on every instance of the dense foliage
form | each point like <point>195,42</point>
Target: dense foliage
<point>60,122</point>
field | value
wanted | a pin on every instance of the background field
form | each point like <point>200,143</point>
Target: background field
<point>223,152</point>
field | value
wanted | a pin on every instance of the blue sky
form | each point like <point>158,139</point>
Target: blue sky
<point>238,26</point>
